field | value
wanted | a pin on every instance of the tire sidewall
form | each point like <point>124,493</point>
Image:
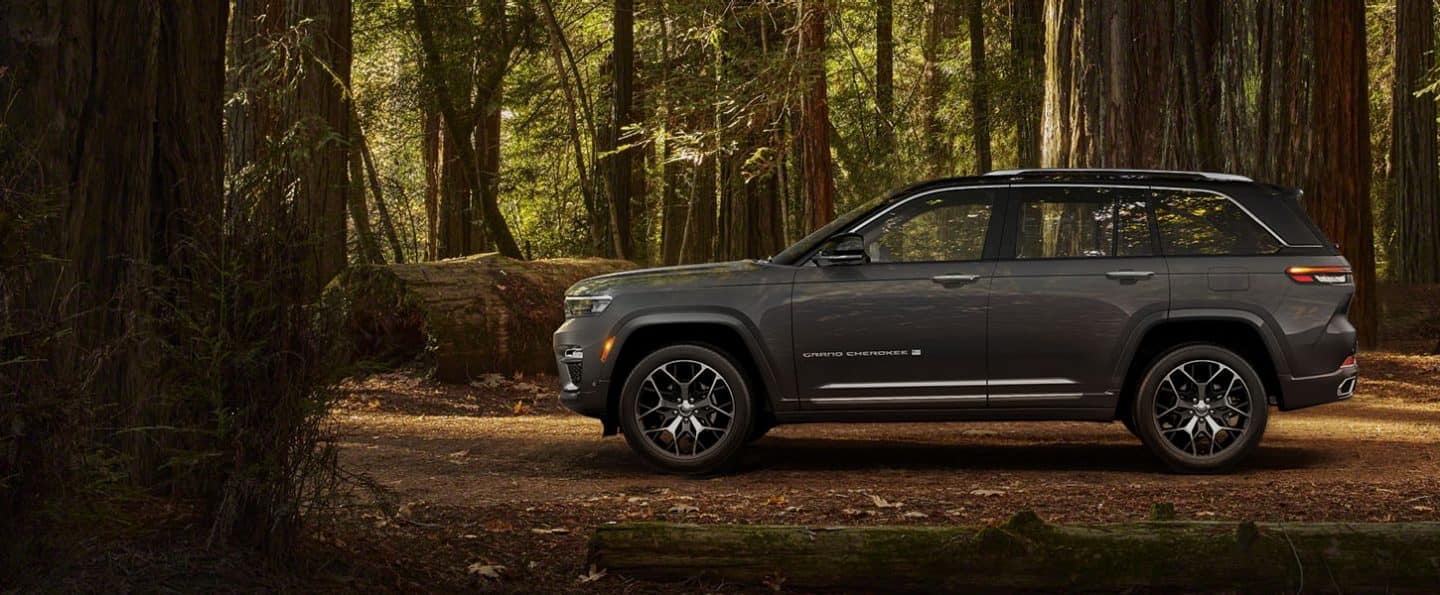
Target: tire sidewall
<point>1144,410</point>
<point>718,456</point>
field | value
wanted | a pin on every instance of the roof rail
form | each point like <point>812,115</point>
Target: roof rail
<point>1119,173</point>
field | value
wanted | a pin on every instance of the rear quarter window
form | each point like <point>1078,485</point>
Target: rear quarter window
<point>1195,223</point>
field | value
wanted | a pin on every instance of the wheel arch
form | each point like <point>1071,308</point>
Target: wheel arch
<point>725,331</point>
<point>1242,332</point>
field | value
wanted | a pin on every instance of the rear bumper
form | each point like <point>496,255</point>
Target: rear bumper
<point>1298,393</point>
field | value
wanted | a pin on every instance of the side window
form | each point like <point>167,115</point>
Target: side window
<point>1083,222</point>
<point>948,226</point>
<point>1196,223</point>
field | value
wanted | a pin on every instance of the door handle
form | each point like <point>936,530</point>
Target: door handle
<point>1129,275</point>
<point>955,279</point>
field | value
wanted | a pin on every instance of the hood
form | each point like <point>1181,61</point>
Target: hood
<point>719,273</point>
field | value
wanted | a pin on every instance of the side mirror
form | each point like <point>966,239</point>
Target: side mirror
<point>845,248</point>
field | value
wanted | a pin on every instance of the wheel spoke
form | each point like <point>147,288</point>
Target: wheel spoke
<point>1210,418</point>
<point>687,425</point>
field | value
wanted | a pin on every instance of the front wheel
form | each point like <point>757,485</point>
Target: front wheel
<point>686,409</point>
<point>1201,408</point>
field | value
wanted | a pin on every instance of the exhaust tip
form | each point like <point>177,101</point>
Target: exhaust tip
<point>1347,388</point>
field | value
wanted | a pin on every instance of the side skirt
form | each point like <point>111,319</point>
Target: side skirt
<point>1100,414</point>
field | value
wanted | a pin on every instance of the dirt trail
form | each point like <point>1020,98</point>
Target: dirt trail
<point>523,490</point>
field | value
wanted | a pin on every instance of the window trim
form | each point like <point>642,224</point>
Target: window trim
<point>1159,237</point>
<point>999,195</point>
<point>1238,204</point>
<point>1011,250</point>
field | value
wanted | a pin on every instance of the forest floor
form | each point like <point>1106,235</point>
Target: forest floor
<point>495,486</point>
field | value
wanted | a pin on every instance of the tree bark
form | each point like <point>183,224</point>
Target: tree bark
<point>112,138</point>
<point>1129,85</point>
<point>979,87</point>
<point>1415,178</point>
<point>1027,554</point>
<point>430,158</point>
<point>1027,55</point>
<point>1339,188</point>
<point>885,74</point>
<point>623,73</point>
<point>288,114</point>
<point>939,26</point>
<point>1283,128</point>
<point>818,182</point>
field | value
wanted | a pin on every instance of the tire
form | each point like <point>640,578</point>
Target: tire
<point>660,425</point>
<point>1183,421</point>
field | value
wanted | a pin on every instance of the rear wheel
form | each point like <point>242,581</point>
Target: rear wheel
<point>686,409</point>
<point>1201,408</point>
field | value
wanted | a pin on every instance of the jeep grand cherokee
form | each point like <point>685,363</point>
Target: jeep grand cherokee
<point>1183,304</point>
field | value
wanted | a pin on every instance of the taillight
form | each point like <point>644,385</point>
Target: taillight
<point>1349,361</point>
<point>1321,275</point>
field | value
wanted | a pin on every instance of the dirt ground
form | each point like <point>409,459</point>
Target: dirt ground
<point>500,487</point>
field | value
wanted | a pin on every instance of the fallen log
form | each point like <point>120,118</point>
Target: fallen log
<point>1027,553</point>
<point>471,315</point>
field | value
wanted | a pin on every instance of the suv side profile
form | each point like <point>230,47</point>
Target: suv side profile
<point>1183,304</point>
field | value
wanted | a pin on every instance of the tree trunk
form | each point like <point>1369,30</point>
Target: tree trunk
<point>1027,55</point>
<point>818,182</point>
<point>1131,85</point>
<point>1415,180</point>
<point>672,209</point>
<point>431,158</point>
<point>473,315</point>
<point>939,26</point>
<point>1339,189</point>
<point>112,154</point>
<point>1283,129</point>
<point>623,78</point>
<point>387,224</point>
<point>287,109</point>
<point>1027,554</point>
<point>355,202</point>
<point>459,127</point>
<point>979,87</point>
<point>885,74</point>
<point>454,213</point>
<point>320,100</point>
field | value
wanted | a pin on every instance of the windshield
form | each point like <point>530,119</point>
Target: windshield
<point>800,248</point>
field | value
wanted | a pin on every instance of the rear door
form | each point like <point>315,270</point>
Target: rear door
<point>1079,271</point>
<point>905,330</point>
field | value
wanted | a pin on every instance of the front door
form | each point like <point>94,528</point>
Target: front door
<point>1079,271</point>
<point>905,330</point>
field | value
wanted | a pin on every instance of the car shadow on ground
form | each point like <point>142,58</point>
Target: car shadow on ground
<point>777,453</point>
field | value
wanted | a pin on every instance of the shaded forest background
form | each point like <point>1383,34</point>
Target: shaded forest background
<point>181,180</point>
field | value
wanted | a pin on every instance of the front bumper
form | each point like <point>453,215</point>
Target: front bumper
<point>1297,393</point>
<point>584,385</point>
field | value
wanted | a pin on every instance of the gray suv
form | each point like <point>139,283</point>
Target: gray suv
<point>1182,304</point>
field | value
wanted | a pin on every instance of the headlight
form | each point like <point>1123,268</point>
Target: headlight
<point>586,305</point>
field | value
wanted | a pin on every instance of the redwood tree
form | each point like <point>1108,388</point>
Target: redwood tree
<point>818,182</point>
<point>1415,181</point>
<point>1338,192</point>
<point>979,86</point>
<point>1027,56</point>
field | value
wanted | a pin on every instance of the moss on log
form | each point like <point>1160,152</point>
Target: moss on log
<point>1027,553</point>
<point>471,315</point>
